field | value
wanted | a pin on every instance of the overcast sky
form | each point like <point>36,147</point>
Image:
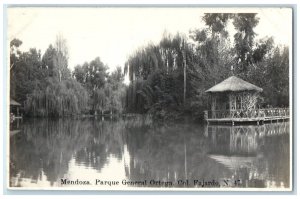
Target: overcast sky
<point>114,33</point>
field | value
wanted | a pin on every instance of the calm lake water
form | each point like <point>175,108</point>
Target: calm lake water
<point>136,152</point>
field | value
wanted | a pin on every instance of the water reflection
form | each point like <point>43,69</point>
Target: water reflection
<point>257,154</point>
<point>136,150</point>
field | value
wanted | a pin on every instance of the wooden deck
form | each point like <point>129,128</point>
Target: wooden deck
<point>257,116</point>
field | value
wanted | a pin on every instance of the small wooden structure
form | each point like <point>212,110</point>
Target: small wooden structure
<point>235,100</point>
<point>14,109</point>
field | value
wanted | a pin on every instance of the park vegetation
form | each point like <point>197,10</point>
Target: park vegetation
<point>167,80</point>
<point>47,88</point>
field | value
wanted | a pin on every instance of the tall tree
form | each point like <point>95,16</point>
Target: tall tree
<point>26,72</point>
<point>14,51</point>
<point>49,61</point>
<point>93,76</point>
<point>61,58</point>
<point>244,40</point>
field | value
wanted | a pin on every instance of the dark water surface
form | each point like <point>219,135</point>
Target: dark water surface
<point>136,152</point>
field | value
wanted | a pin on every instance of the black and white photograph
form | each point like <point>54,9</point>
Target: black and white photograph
<point>150,98</point>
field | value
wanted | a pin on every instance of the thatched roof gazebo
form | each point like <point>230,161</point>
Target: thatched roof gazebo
<point>234,84</point>
<point>14,103</point>
<point>234,93</point>
<point>235,100</point>
<point>14,107</point>
<point>233,97</point>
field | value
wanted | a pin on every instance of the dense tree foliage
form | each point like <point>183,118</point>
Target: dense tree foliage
<point>158,73</point>
<point>157,76</point>
<point>106,90</point>
<point>43,84</point>
<point>45,87</point>
<point>167,80</point>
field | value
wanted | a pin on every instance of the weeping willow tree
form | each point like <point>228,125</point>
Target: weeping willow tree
<point>58,99</point>
<point>157,75</point>
<point>55,93</point>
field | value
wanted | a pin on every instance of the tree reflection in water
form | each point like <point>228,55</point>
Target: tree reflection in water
<point>45,150</point>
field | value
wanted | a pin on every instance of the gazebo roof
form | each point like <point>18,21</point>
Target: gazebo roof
<point>234,84</point>
<point>14,103</point>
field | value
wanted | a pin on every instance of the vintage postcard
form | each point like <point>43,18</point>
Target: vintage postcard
<point>150,98</point>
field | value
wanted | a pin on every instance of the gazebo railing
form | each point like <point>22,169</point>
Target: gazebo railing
<point>252,113</point>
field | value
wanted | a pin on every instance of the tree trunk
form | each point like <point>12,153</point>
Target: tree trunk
<point>184,74</point>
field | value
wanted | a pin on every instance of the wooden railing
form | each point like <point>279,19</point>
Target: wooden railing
<point>254,113</point>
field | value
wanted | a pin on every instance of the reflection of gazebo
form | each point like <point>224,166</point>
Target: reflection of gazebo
<point>235,100</point>
<point>239,140</point>
<point>234,162</point>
